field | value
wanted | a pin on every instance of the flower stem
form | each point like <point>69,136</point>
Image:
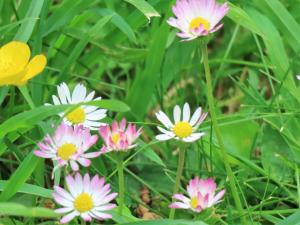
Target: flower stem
<point>24,90</point>
<point>178,177</point>
<point>121,182</point>
<point>216,128</point>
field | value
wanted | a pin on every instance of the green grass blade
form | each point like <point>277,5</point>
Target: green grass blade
<point>144,7</point>
<point>19,177</point>
<point>241,17</point>
<point>167,222</point>
<point>143,88</point>
<point>27,26</point>
<point>30,189</point>
<point>14,209</point>
<point>119,22</point>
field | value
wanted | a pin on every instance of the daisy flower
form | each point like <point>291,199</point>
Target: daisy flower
<point>88,116</point>
<point>298,77</point>
<point>201,195</point>
<point>119,137</point>
<point>184,127</point>
<point>68,146</point>
<point>196,18</point>
<point>87,197</point>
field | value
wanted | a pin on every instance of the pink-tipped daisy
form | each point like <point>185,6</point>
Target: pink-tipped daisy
<point>118,137</point>
<point>196,18</point>
<point>184,127</point>
<point>68,145</point>
<point>201,195</point>
<point>87,197</point>
<point>88,116</point>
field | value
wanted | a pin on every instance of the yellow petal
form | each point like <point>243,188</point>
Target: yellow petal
<point>34,67</point>
<point>14,57</point>
<point>13,79</point>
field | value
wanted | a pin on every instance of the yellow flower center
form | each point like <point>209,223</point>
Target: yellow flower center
<point>83,203</point>
<point>194,202</point>
<point>76,116</point>
<point>115,138</point>
<point>66,151</point>
<point>196,22</point>
<point>182,129</point>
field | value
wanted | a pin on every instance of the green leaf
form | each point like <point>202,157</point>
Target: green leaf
<point>241,17</point>
<point>96,29</point>
<point>29,118</point>
<point>143,88</point>
<point>294,219</point>
<point>126,217</point>
<point>32,117</point>
<point>19,177</point>
<point>65,12</point>
<point>286,22</point>
<point>113,105</point>
<point>30,189</point>
<point>240,142</point>
<point>276,52</point>
<point>274,152</point>
<point>119,22</point>
<point>151,154</point>
<point>27,26</point>
<point>144,7</point>
<point>14,209</point>
<point>81,45</point>
<point>167,222</point>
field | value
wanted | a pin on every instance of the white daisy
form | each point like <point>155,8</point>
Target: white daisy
<point>88,116</point>
<point>184,127</point>
<point>86,197</point>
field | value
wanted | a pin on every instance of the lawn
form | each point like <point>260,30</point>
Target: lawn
<point>150,112</point>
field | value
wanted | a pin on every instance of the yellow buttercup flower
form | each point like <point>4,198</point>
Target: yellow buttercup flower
<point>16,68</point>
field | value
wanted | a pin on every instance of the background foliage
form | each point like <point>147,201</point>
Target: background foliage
<point>124,51</point>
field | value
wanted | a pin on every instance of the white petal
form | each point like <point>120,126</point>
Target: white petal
<point>176,114</point>
<point>55,100</point>
<point>90,96</point>
<point>186,112</point>
<point>193,137</point>
<point>62,94</point>
<point>78,94</point>
<point>97,115</point>
<point>163,137</point>
<point>69,217</point>
<point>63,210</point>
<point>92,124</point>
<point>163,118</point>
<point>196,116</point>
<point>170,133</point>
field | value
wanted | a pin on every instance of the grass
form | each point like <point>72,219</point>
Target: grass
<point>128,54</point>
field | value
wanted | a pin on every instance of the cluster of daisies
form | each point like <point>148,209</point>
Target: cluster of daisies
<point>69,145</point>
<point>89,197</point>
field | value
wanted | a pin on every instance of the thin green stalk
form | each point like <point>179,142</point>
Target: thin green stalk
<point>121,182</point>
<point>298,183</point>
<point>178,176</point>
<point>217,130</point>
<point>24,90</point>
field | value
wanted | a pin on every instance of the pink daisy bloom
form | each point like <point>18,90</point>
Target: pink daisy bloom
<point>196,18</point>
<point>68,145</point>
<point>201,195</point>
<point>87,197</point>
<point>118,137</point>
